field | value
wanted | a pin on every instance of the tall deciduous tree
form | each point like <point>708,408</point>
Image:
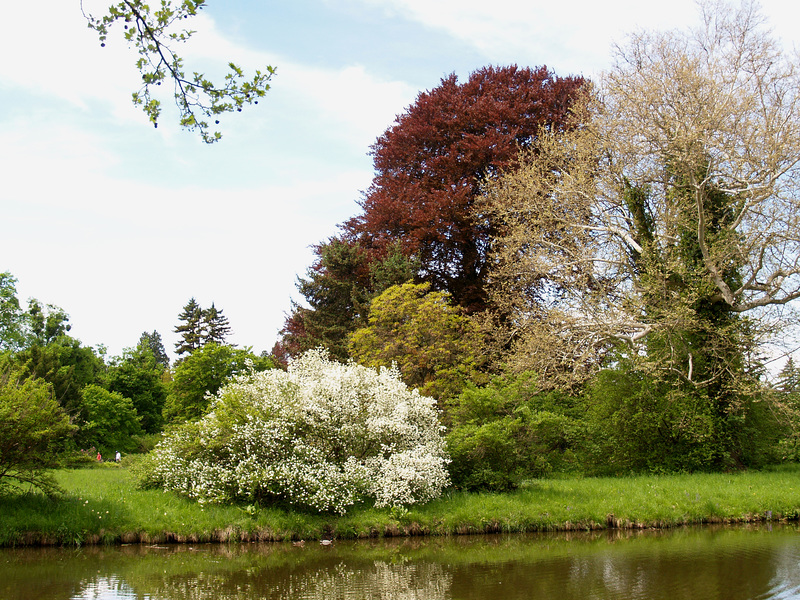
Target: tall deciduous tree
<point>45,323</point>
<point>662,234</point>
<point>153,33</point>
<point>669,220</point>
<point>37,325</point>
<point>431,164</point>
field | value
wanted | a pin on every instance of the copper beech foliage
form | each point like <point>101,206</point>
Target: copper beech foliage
<point>430,164</point>
<point>429,169</point>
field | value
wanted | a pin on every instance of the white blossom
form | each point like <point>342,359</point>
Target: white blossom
<point>323,435</point>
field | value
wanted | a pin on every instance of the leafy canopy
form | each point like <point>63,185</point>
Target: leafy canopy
<point>435,346</point>
<point>431,163</point>
<point>201,374</point>
<point>111,421</point>
<point>139,375</point>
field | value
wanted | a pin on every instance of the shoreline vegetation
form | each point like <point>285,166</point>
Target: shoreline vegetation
<point>102,505</point>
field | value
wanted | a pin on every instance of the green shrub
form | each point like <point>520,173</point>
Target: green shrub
<point>321,435</point>
<point>509,431</point>
<point>638,423</point>
<point>33,428</point>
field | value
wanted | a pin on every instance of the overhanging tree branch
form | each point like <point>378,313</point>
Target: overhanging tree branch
<point>196,97</point>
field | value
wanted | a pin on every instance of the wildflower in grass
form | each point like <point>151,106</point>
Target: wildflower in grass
<point>322,435</point>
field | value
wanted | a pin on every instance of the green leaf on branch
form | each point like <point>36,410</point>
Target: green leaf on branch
<point>149,33</point>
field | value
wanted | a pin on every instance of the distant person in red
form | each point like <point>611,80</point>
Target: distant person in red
<point>99,458</point>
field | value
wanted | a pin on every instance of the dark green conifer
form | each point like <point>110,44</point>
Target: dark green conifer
<point>156,345</point>
<point>191,329</point>
<point>216,326</point>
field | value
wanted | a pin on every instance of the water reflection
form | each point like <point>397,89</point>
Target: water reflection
<point>730,563</point>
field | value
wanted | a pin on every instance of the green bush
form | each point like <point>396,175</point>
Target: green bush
<point>509,431</point>
<point>33,428</point>
<point>638,423</point>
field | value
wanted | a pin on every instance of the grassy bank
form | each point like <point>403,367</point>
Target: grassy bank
<point>102,505</point>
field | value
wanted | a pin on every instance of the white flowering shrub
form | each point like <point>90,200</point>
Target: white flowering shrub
<point>322,435</point>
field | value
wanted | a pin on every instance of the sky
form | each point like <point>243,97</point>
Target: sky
<point>120,224</point>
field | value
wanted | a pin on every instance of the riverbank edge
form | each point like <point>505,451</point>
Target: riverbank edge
<point>235,534</point>
<point>105,507</point>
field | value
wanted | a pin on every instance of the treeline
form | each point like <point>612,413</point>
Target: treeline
<point>59,398</point>
<point>586,276</point>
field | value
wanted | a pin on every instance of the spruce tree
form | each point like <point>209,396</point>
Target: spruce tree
<point>789,377</point>
<point>156,345</point>
<point>216,326</point>
<point>191,330</point>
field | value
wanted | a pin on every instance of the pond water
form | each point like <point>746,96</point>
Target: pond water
<point>746,563</point>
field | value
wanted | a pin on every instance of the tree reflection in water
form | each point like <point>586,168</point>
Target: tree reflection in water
<point>732,563</point>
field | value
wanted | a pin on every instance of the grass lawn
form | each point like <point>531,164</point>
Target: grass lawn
<point>102,505</point>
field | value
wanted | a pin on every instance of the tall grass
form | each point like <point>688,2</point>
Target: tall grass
<point>103,505</point>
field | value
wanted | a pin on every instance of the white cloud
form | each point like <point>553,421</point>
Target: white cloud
<point>574,37</point>
<point>357,105</point>
<point>123,256</point>
<point>50,51</point>
<point>63,59</point>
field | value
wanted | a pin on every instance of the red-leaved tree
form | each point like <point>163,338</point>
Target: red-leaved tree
<point>429,168</point>
<point>430,164</point>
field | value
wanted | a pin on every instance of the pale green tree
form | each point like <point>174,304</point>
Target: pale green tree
<point>668,217</point>
<point>435,346</point>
